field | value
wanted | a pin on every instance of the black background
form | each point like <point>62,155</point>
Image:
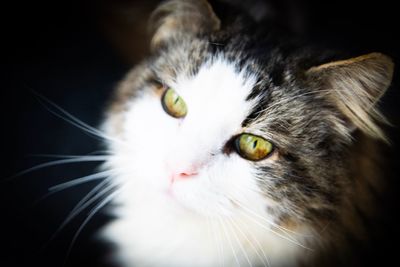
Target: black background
<point>65,51</point>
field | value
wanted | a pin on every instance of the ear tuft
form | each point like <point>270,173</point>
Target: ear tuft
<point>355,86</point>
<point>175,18</point>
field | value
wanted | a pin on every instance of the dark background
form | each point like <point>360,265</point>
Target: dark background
<point>74,53</point>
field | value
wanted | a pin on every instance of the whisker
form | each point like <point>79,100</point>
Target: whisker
<point>95,133</point>
<point>63,186</point>
<point>82,205</point>
<point>238,242</point>
<point>267,221</point>
<point>286,237</point>
<point>218,244</point>
<point>80,180</point>
<point>276,233</point>
<point>48,104</point>
<point>252,212</point>
<point>88,196</point>
<point>229,240</point>
<point>92,212</point>
<point>263,258</point>
<point>57,162</point>
<point>78,208</point>
<point>58,156</point>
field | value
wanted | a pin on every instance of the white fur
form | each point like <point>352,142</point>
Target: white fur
<point>215,218</point>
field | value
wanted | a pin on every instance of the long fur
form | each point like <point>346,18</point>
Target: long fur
<point>298,206</point>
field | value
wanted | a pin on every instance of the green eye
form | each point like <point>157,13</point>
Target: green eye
<point>173,104</point>
<point>252,147</point>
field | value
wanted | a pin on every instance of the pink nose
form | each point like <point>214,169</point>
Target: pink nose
<point>184,175</point>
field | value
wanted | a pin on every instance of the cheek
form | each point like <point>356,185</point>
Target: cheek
<point>146,120</point>
<point>147,133</point>
<point>225,187</point>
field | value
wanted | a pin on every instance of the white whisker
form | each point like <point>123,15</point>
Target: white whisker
<point>80,180</point>
<point>229,240</point>
<point>286,237</point>
<point>59,162</point>
<point>285,230</point>
<point>276,233</point>
<point>92,212</point>
<point>88,196</point>
<point>58,156</point>
<point>68,117</point>
<point>218,244</point>
<point>263,257</point>
<point>252,212</point>
<point>57,188</point>
<point>238,242</point>
<point>82,205</point>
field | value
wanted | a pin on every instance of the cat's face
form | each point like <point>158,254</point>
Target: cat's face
<point>179,172</point>
<point>191,161</point>
<point>212,129</point>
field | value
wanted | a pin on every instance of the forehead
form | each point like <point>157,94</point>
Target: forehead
<point>218,92</point>
<point>217,84</point>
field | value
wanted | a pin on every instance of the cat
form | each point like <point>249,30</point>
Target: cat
<point>235,145</point>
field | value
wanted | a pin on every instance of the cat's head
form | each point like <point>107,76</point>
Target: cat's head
<point>226,120</point>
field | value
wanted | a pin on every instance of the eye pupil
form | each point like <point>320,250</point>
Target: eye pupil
<point>255,144</point>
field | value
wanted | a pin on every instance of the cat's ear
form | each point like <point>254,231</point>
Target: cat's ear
<point>355,85</point>
<point>175,18</point>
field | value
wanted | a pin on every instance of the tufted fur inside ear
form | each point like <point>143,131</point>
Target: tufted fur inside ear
<point>181,17</point>
<point>355,85</point>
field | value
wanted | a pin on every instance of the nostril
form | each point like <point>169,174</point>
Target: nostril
<point>182,176</point>
<point>187,174</point>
